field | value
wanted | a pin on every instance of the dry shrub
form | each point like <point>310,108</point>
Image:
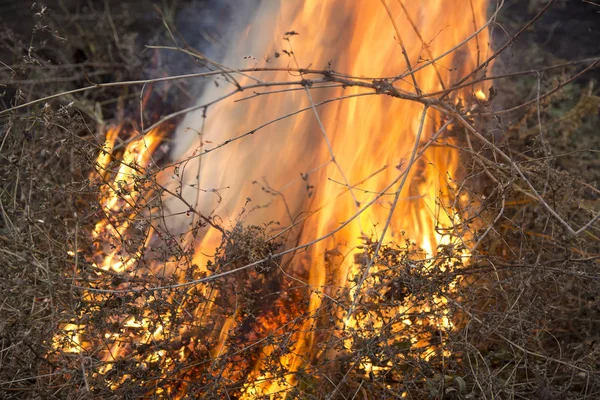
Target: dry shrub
<point>524,309</point>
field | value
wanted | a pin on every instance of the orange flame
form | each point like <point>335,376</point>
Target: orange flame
<point>337,165</point>
<point>349,150</point>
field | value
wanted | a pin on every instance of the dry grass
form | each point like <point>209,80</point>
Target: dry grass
<point>526,309</point>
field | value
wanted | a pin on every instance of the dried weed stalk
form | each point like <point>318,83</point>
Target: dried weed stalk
<point>518,319</point>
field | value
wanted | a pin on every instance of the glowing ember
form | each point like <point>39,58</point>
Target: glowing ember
<point>353,179</point>
<point>480,95</point>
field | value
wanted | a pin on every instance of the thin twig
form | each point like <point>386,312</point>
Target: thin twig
<point>401,43</point>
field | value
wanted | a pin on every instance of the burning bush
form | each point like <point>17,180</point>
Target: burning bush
<point>345,212</point>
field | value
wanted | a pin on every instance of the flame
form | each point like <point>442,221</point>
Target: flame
<point>123,189</point>
<point>350,150</point>
<point>313,173</point>
<point>480,95</point>
<point>123,192</point>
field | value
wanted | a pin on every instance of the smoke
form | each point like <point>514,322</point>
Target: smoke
<point>222,181</point>
<point>209,26</point>
<point>241,29</point>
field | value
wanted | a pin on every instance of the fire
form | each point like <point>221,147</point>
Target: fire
<point>123,193</point>
<point>371,168</point>
<point>480,95</point>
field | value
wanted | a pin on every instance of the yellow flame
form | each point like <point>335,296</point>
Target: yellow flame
<point>363,144</point>
<point>480,95</point>
<point>70,338</point>
<point>346,152</point>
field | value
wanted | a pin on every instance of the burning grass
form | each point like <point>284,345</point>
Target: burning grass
<point>492,292</point>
